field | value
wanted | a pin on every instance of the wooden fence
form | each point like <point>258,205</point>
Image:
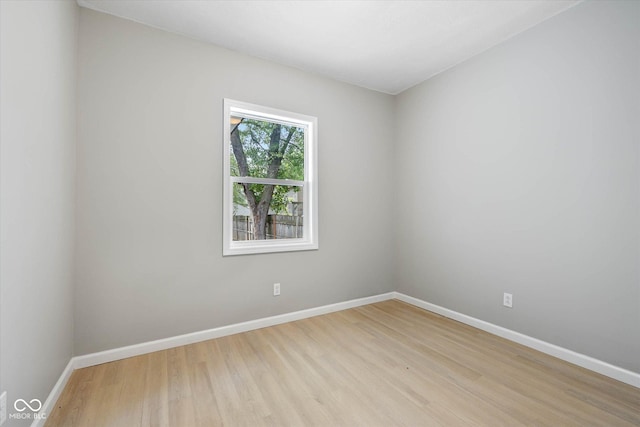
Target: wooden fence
<point>278,227</point>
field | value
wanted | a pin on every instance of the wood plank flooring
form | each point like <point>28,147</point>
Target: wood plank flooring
<point>385,364</point>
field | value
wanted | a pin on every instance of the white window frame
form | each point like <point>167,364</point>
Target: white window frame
<point>309,185</point>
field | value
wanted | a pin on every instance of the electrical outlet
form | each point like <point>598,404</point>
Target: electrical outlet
<point>276,289</point>
<point>507,300</point>
<point>3,408</point>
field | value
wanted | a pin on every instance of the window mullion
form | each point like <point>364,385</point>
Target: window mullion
<point>267,181</point>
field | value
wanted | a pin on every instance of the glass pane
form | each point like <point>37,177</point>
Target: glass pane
<point>253,221</point>
<point>264,149</point>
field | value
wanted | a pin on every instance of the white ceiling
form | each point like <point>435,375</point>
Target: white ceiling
<point>387,46</point>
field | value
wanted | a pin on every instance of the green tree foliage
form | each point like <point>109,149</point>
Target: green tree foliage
<point>262,149</point>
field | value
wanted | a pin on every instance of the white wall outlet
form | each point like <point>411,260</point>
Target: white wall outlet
<point>3,408</point>
<point>276,289</point>
<point>507,300</point>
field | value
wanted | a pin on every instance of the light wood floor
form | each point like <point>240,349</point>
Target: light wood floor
<point>385,364</point>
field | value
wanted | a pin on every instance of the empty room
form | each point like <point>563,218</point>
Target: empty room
<point>319,213</point>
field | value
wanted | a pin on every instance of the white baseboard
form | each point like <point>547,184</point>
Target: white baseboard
<point>93,359</point>
<point>163,344</point>
<point>49,404</point>
<point>570,356</point>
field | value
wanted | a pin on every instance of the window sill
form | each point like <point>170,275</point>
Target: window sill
<point>268,246</point>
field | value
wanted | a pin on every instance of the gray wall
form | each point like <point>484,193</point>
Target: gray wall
<point>149,242</point>
<point>37,190</point>
<point>519,171</point>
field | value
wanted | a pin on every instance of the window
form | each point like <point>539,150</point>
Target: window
<point>270,180</point>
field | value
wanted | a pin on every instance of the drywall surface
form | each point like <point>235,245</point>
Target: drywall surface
<point>518,171</point>
<point>37,207</point>
<point>149,207</point>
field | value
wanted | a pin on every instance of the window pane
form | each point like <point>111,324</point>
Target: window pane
<point>282,220</point>
<point>263,149</point>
